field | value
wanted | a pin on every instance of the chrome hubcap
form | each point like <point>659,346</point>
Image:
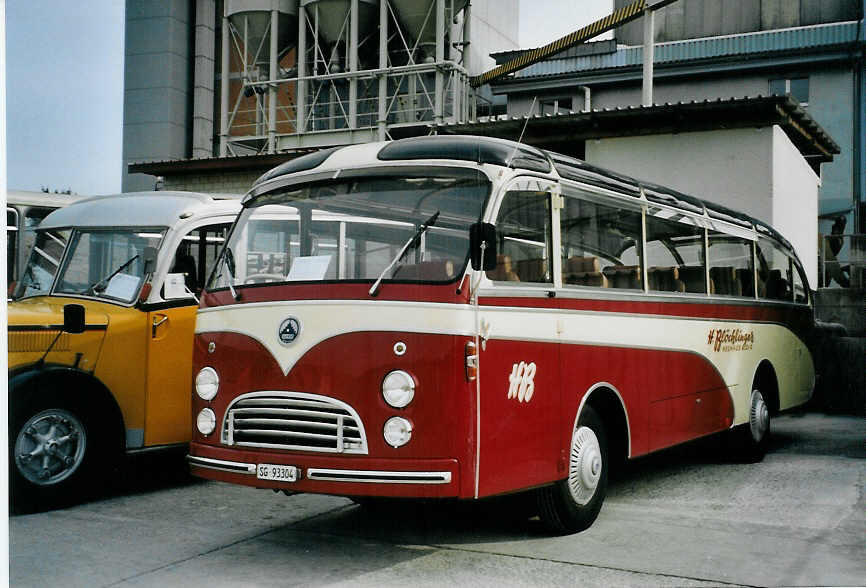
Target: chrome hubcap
<point>50,447</point>
<point>585,465</point>
<point>759,416</point>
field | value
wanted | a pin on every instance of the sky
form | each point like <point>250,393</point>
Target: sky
<point>64,85</point>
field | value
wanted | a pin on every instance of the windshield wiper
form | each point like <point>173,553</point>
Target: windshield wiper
<point>227,260</point>
<point>411,243</point>
<point>99,286</point>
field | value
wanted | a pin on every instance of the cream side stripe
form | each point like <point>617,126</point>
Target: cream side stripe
<point>321,320</point>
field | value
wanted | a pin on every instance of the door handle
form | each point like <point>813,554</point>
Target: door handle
<point>157,321</point>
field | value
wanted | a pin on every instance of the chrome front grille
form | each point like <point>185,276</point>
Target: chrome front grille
<point>293,420</point>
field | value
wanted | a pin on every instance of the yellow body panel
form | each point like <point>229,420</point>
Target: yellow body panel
<point>146,369</point>
<point>169,369</point>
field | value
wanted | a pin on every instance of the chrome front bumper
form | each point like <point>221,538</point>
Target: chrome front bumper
<point>331,475</point>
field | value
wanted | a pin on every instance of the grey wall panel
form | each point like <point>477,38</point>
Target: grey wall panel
<point>152,142</point>
<point>780,14</point>
<point>831,104</point>
<point>157,83</point>
<point>820,11</point>
<point>692,19</point>
<point>157,70</point>
<point>157,35</point>
<point>155,105</point>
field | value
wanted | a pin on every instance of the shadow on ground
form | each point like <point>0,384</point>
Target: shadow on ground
<point>136,474</point>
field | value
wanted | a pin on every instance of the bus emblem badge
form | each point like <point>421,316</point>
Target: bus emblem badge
<point>289,330</point>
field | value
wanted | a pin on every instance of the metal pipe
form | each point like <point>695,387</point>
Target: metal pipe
<point>272,87</point>
<point>353,66</point>
<point>648,55</point>
<point>467,35</point>
<point>440,57</point>
<point>382,123</point>
<point>301,87</point>
<point>224,89</point>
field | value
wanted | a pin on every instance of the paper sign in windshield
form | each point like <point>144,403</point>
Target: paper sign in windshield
<point>311,267</point>
<point>122,286</point>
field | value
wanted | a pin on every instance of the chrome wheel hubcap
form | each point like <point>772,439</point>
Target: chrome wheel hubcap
<point>50,447</point>
<point>759,416</point>
<point>585,465</point>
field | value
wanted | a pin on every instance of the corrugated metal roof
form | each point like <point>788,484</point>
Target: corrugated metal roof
<point>763,42</point>
<point>547,131</point>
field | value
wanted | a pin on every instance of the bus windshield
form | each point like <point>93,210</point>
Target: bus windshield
<point>106,264</point>
<point>45,257</point>
<point>355,228</point>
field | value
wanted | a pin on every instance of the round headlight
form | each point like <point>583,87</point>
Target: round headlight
<point>397,431</point>
<point>206,421</point>
<point>207,382</point>
<point>398,388</point>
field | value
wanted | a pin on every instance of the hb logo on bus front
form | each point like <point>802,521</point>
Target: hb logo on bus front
<point>289,330</point>
<point>521,381</point>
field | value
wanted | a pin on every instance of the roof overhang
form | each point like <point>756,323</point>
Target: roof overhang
<point>554,131</point>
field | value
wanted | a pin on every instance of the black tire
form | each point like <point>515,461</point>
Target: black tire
<point>572,505</point>
<point>57,452</point>
<point>749,441</point>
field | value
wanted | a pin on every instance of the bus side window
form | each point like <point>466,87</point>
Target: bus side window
<point>774,272</point>
<point>599,243</point>
<point>801,293</point>
<point>675,254</point>
<point>197,252</point>
<point>730,261</point>
<point>524,233</point>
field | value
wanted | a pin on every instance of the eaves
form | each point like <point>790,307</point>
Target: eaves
<point>708,67</point>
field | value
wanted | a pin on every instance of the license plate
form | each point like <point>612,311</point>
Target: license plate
<point>279,473</point>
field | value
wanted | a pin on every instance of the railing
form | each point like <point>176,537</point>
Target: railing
<point>842,261</point>
<point>410,97</point>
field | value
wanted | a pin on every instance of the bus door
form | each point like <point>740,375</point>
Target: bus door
<point>170,336</point>
<point>519,359</point>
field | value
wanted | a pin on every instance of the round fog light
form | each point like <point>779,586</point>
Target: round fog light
<point>206,421</point>
<point>398,388</point>
<point>207,382</point>
<point>397,431</point>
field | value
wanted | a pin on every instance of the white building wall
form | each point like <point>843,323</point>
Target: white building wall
<point>493,29</point>
<point>756,171</point>
<point>795,202</point>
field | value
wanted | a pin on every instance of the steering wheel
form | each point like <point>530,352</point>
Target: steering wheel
<point>262,278</point>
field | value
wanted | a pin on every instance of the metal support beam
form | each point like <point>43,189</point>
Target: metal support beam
<point>648,56</point>
<point>353,66</point>
<point>273,58</point>
<point>224,89</point>
<point>301,87</point>
<point>382,122</point>
<point>438,106</point>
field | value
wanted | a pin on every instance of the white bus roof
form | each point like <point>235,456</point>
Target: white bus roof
<point>46,199</point>
<point>143,209</point>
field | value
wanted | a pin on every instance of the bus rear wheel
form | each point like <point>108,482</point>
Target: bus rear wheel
<point>572,505</point>
<point>751,439</point>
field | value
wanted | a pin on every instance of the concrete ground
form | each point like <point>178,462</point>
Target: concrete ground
<point>679,518</point>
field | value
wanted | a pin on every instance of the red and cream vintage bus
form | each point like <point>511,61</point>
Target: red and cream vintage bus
<point>467,317</point>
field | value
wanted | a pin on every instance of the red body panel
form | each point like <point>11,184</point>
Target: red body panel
<point>350,368</point>
<point>669,396</point>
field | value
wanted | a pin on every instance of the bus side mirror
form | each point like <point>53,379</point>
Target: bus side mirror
<point>482,237</point>
<point>73,318</point>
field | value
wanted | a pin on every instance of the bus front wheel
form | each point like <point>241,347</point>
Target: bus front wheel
<point>572,505</point>
<point>54,448</point>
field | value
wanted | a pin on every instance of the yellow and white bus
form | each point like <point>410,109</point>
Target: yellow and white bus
<point>85,389</point>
